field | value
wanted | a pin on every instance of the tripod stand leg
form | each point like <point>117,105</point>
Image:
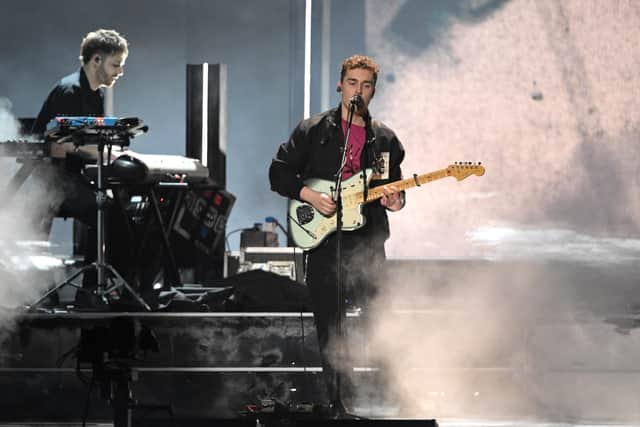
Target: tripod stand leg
<point>66,282</point>
<point>124,284</point>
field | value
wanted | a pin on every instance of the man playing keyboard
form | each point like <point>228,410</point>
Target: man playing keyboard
<point>102,55</point>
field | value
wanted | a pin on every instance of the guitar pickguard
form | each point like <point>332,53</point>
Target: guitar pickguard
<point>309,227</point>
<point>305,214</point>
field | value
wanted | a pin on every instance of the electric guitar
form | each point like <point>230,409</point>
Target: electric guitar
<point>308,227</point>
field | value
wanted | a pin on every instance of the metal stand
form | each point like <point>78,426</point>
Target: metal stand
<point>111,351</point>
<point>118,392</point>
<point>121,395</point>
<point>338,408</point>
<point>109,280</point>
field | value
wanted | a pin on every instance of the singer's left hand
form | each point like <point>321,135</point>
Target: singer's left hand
<point>391,199</point>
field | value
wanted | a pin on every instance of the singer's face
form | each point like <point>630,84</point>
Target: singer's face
<point>358,81</point>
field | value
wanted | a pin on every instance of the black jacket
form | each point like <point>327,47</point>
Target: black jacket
<point>72,96</point>
<point>314,150</point>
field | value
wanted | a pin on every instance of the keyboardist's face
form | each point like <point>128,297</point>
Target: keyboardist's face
<point>110,68</point>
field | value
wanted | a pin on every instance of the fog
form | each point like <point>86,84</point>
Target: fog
<point>27,265</point>
<point>505,289</point>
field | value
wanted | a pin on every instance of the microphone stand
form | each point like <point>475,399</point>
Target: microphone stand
<point>336,399</point>
<point>101,265</point>
<point>108,278</point>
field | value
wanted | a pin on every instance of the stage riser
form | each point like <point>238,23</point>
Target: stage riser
<point>61,396</point>
<point>183,342</point>
<point>286,342</point>
<point>549,286</point>
<point>575,356</point>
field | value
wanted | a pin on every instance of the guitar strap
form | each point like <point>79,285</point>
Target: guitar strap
<point>377,161</point>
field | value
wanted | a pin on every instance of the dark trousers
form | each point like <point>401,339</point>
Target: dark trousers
<point>362,264</point>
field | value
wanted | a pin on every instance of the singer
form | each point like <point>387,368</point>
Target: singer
<point>314,150</point>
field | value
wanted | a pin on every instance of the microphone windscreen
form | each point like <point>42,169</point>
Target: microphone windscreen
<point>356,100</point>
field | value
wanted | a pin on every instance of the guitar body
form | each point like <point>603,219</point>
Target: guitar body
<point>308,227</point>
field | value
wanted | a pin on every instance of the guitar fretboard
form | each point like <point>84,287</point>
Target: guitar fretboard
<point>377,192</point>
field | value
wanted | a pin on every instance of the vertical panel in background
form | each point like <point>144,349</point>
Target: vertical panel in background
<point>296,62</point>
<point>206,105</point>
<point>338,31</point>
<point>194,111</point>
<point>206,141</point>
<point>323,74</point>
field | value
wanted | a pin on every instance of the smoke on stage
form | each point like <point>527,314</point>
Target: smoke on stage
<point>26,265</point>
<point>515,292</point>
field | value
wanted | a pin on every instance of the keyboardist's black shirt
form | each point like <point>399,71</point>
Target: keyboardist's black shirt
<point>72,96</point>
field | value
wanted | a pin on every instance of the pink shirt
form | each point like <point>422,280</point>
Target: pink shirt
<point>357,139</point>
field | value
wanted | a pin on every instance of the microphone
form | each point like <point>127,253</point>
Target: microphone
<point>356,100</point>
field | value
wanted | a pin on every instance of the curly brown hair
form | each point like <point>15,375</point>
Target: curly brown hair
<point>360,61</point>
<point>108,42</point>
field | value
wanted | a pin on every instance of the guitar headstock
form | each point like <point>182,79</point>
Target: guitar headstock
<point>462,170</point>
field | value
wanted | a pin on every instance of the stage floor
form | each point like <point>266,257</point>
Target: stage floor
<point>485,344</point>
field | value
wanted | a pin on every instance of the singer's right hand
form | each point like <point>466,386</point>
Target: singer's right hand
<point>320,201</point>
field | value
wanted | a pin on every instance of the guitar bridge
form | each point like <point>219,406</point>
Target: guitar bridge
<point>305,214</point>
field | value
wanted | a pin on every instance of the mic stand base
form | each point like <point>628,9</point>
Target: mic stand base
<point>337,411</point>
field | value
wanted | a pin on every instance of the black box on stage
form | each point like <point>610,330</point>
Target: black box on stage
<point>258,238</point>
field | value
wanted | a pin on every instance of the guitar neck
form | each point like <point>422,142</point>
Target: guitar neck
<point>377,192</point>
